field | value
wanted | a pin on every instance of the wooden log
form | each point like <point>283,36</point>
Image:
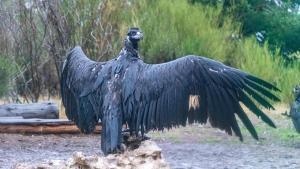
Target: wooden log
<point>43,110</point>
<point>40,126</point>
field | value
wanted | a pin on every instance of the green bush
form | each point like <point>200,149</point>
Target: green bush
<point>279,24</point>
<point>259,61</point>
<point>176,28</point>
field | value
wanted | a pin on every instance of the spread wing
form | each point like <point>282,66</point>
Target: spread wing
<point>79,77</point>
<point>162,92</point>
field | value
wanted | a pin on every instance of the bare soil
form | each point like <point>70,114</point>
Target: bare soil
<point>194,146</point>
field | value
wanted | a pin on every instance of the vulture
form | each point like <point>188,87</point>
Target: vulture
<point>127,93</point>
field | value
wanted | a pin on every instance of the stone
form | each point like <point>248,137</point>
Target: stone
<point>147,156</point>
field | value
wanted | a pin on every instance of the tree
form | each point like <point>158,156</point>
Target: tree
<point>276,21</point>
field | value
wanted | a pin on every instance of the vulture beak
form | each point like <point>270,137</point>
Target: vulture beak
<point>138,36</point>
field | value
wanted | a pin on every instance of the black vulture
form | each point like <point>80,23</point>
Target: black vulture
<point>125,91</point>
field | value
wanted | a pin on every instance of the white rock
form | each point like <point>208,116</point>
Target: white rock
<point>147,156</point>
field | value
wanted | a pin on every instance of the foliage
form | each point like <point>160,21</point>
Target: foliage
<point>6,69</point>
<point>293,57</point>
<point>261,62</point>
<point>176,28</point>
<point>38,34</point>
<point>93,25</point>
<point>278,21</point>
<point>280,27</point>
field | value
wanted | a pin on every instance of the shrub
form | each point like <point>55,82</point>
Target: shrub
<point>260,61</point>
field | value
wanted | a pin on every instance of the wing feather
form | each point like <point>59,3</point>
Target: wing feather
<point>166,89</point>
<point>81,100</point>
<point>262,90</point>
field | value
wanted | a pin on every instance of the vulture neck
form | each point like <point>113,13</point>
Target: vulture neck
<point>132,47</point>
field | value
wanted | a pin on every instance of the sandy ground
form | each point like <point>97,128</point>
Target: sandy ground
<point>184,152</point>
<point>195,146</point>
<point>224,156</point>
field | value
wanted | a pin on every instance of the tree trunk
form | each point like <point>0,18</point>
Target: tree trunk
<point>39,126</point>
<point>44,110</point>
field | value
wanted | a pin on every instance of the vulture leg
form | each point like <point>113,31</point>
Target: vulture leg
<point>111,137</point>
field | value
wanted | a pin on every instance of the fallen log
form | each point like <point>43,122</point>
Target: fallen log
<point>40,126</point>
<point>43,110</point>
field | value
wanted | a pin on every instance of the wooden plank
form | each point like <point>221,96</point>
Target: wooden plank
<point>40,126</point>
<point>44,110</point>
<point>34,121</point>
<point>25,129</point>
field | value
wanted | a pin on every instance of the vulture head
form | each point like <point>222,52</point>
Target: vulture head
<point>134,35</point>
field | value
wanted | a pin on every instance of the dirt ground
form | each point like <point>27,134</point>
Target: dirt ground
<point>195,146</point>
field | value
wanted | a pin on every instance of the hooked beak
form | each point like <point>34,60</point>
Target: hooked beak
<point>138,36</point>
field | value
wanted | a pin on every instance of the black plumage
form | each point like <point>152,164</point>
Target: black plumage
<point>127,91</point>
